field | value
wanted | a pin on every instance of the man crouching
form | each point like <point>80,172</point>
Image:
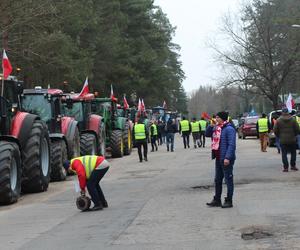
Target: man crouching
<point>90,169</point>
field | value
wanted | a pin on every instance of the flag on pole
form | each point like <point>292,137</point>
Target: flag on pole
<point>112,96</point>
<point>143,108</point>
<point>126,105</point>
<point>6,66</point>
<point>139,105</point>
<point>85,89</point>
<point>290,103</point>
<point>164,105</point>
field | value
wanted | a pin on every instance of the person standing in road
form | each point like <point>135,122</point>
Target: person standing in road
<point>185,130</point>
<point>203,125</point>
<point>171,130</point>
<point>298,136</point>
<point>140,139</point>
<point>90,170</point>
<point>160,128</point>
<point>223,151</point>
<point>196,128</point>
<point>263,129</point>
<point>153,136</point>
<point>287,129</point>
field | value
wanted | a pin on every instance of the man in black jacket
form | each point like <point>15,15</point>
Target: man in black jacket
<point>171,130</point>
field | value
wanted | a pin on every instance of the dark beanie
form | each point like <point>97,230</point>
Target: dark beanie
<point>223,115</point>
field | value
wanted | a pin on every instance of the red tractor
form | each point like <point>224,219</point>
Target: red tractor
<point>63,130</point>
<point>91,127</point>
<point>24,147</point>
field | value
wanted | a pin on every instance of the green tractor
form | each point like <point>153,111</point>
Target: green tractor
<point>118,127</point>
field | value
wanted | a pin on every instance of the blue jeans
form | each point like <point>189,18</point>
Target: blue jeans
<point>221,173</point>
<point>277,143</point>
<point>170,139</point>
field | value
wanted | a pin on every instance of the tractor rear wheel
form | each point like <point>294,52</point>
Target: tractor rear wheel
<point>10,172</point>
<point>88,144</point>
<point>36,159</point>
<point>127,140</point>
<point>117,144</point>
<point>59,155</point>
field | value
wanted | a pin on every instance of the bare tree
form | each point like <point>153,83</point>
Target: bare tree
<point>264,50</point>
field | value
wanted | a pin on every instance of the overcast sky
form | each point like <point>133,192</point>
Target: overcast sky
<point>197,21</point>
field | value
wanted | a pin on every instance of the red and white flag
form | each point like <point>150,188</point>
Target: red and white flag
<point>290,103</point>
<point>126,105</point>
<point>85,89</point>
<point>112,96</point>
<point>143,108</point>
<point>6,66</point>
<point>139,105</point>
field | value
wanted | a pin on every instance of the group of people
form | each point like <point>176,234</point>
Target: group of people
<point>91,169</point>
<point>287,132</point>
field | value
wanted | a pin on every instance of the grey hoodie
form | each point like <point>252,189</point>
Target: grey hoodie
<point>287,128</point>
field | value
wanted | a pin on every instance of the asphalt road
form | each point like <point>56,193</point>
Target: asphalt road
<point>160,204</point>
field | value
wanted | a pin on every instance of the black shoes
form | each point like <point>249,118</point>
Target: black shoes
<point>104,204</point>
<point>214,203</point>
<point>97,207</point>
<point>145,159</point>
<point>217,203</point>
<point>227,203</point>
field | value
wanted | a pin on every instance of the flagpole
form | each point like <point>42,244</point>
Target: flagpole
<point>2,87</point>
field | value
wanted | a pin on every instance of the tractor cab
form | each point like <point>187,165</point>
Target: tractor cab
<point>46,103</point>
<point>79,108</point>
<point>9,103</point>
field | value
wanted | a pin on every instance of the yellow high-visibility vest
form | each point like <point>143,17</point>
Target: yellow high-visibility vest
<point>154,129</point>
<point>89,163</point>
<point>139,132</point>
<point>195,127</point>
<point>185,126</point>
<point>263,125</point>
<point>203,125</point>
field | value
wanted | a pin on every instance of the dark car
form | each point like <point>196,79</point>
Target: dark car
<point>248,127</point>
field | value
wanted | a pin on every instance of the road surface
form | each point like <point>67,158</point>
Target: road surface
<point>160,204</point>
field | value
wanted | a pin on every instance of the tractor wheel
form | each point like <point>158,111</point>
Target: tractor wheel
<point>117,144</point>
<point>36,159</point>
<point>102,142</point>
<point>74,150</point>
<point>127,140</point>
<point>10,172</point>
<point>58,156</point>
<point>88,144</point>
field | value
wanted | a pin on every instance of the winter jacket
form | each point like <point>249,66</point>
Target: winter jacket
<point>227,142</point>
<point>287,129</point>
<point>171,127</point>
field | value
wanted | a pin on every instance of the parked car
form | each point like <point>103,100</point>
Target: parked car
<point>248,127</point>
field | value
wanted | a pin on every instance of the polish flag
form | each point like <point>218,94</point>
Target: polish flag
<point>290,103</point>
<point>126,105</point>
<point>85,89</point>
<point>112,96</point>
<point>139,105</point>
<point>6,66</point>
<point>143,108</point>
